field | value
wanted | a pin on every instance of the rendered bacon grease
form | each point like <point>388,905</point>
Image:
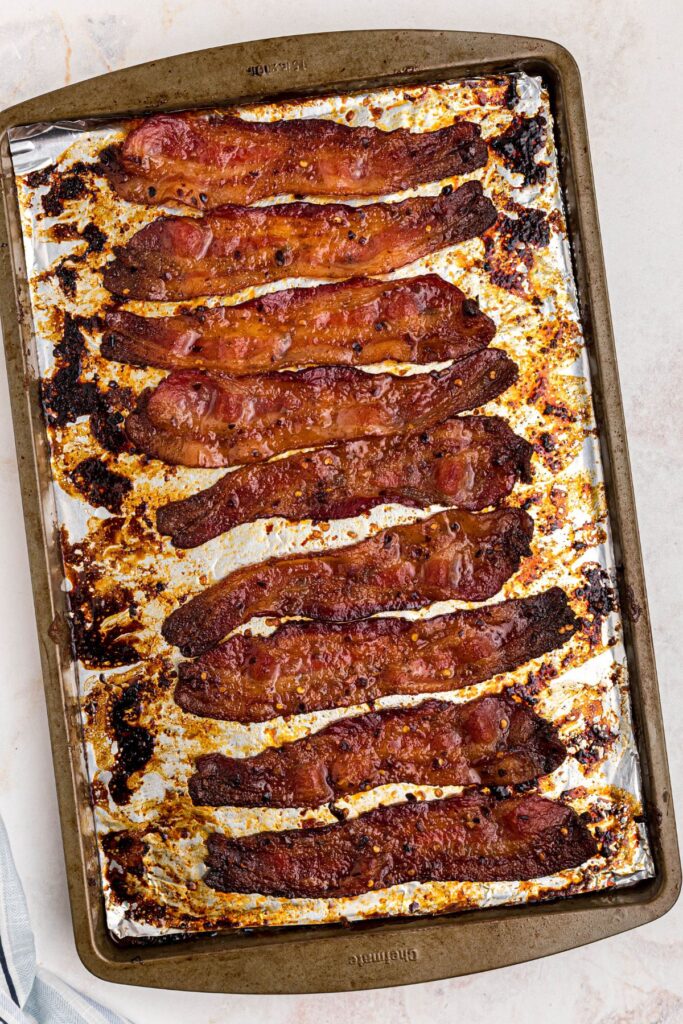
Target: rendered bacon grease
<point>236,247</point>
<point>450,555</point>
<point>416,319</point>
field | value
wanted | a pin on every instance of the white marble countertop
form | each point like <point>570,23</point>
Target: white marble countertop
<point>627,52</point>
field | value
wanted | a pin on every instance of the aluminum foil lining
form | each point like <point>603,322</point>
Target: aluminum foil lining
<point>528,289</point>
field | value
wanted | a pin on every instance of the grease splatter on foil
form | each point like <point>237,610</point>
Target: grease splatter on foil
<point>122,578</point>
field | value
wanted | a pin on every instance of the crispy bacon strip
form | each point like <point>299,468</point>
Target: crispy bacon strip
<point>490,742</point>
<point>208,160</point>
<point>196,418</point>
<point>469,463</point>
<point>450,555</point>
<point>238,246</point>
<point>417,319</point>
<point>311,666</point>
<point>473,838</point>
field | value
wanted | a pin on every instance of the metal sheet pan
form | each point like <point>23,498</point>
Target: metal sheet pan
<point>114,560</point>
<point>398,961</point>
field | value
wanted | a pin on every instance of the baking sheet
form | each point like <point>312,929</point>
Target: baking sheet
<point>138,577</point>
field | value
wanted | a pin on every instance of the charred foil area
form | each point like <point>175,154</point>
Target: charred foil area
<point>100,485</point>
<point>64,190</point>
<point>509,249</point>
<point>67,395</point>
<point>102,610</point>
<point>520,144</point>
<point>134,742</point>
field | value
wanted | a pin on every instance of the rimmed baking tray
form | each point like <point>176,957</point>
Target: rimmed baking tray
<point>391,952</point>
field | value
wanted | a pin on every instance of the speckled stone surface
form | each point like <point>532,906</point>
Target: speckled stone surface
<point>627,53</point>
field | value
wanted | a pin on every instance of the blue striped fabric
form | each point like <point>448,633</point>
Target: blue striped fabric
<point>29,994</point>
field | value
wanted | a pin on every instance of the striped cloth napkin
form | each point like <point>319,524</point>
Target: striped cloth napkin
<point>29,994</point>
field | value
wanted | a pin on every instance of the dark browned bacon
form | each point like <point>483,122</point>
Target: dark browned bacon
<point>311,666</point>
<point>449,555</point>
<point>474,838</point>
<point>492,741</point>
<point>469,463</point>
<point>416,319</point>
<point>236,247</point>
<point>206,160</point>
<point>198,418</point>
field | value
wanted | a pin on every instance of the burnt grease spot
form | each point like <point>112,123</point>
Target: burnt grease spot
<point>95,238</point>
<point>600,598</point>
<point>100,628</point>
<point>67,276</point>
<point>36,179</point>
<point>124,851</point>
<point>509,245</point>
<point>101,486</point>
<point>91,234</point>
<point>106,423</point>
<point>92,601</point>
<point>518,146</point>
<point>66,397</point>
<point>593,744</point>
<point>71,186</point>
<point>66,270</point>
<point>598,593</point>
<point>135,743</point>
<point>530,227</point>
<point>124,868</point>
<point>510,97</point>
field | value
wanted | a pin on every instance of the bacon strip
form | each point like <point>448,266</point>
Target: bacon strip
<point>417,319</point>
<point>311,666</point>
<point>236,247</point>
<point>208,160</point>
<point>196,418</point>
<point>450,555</point>
<point>490,742</point>
<point>472,838</point>
<point>469,463</point>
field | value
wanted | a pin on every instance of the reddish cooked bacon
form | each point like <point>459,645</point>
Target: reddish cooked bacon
<point>491,742</point>
<point>449,555</point>
<point>416,319</point>
<point>196,418</point>
<point>208,160</point>
<point>474,838</point>
<point>237,246</point>
<point>470,463</point>
<point>311,666</point>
